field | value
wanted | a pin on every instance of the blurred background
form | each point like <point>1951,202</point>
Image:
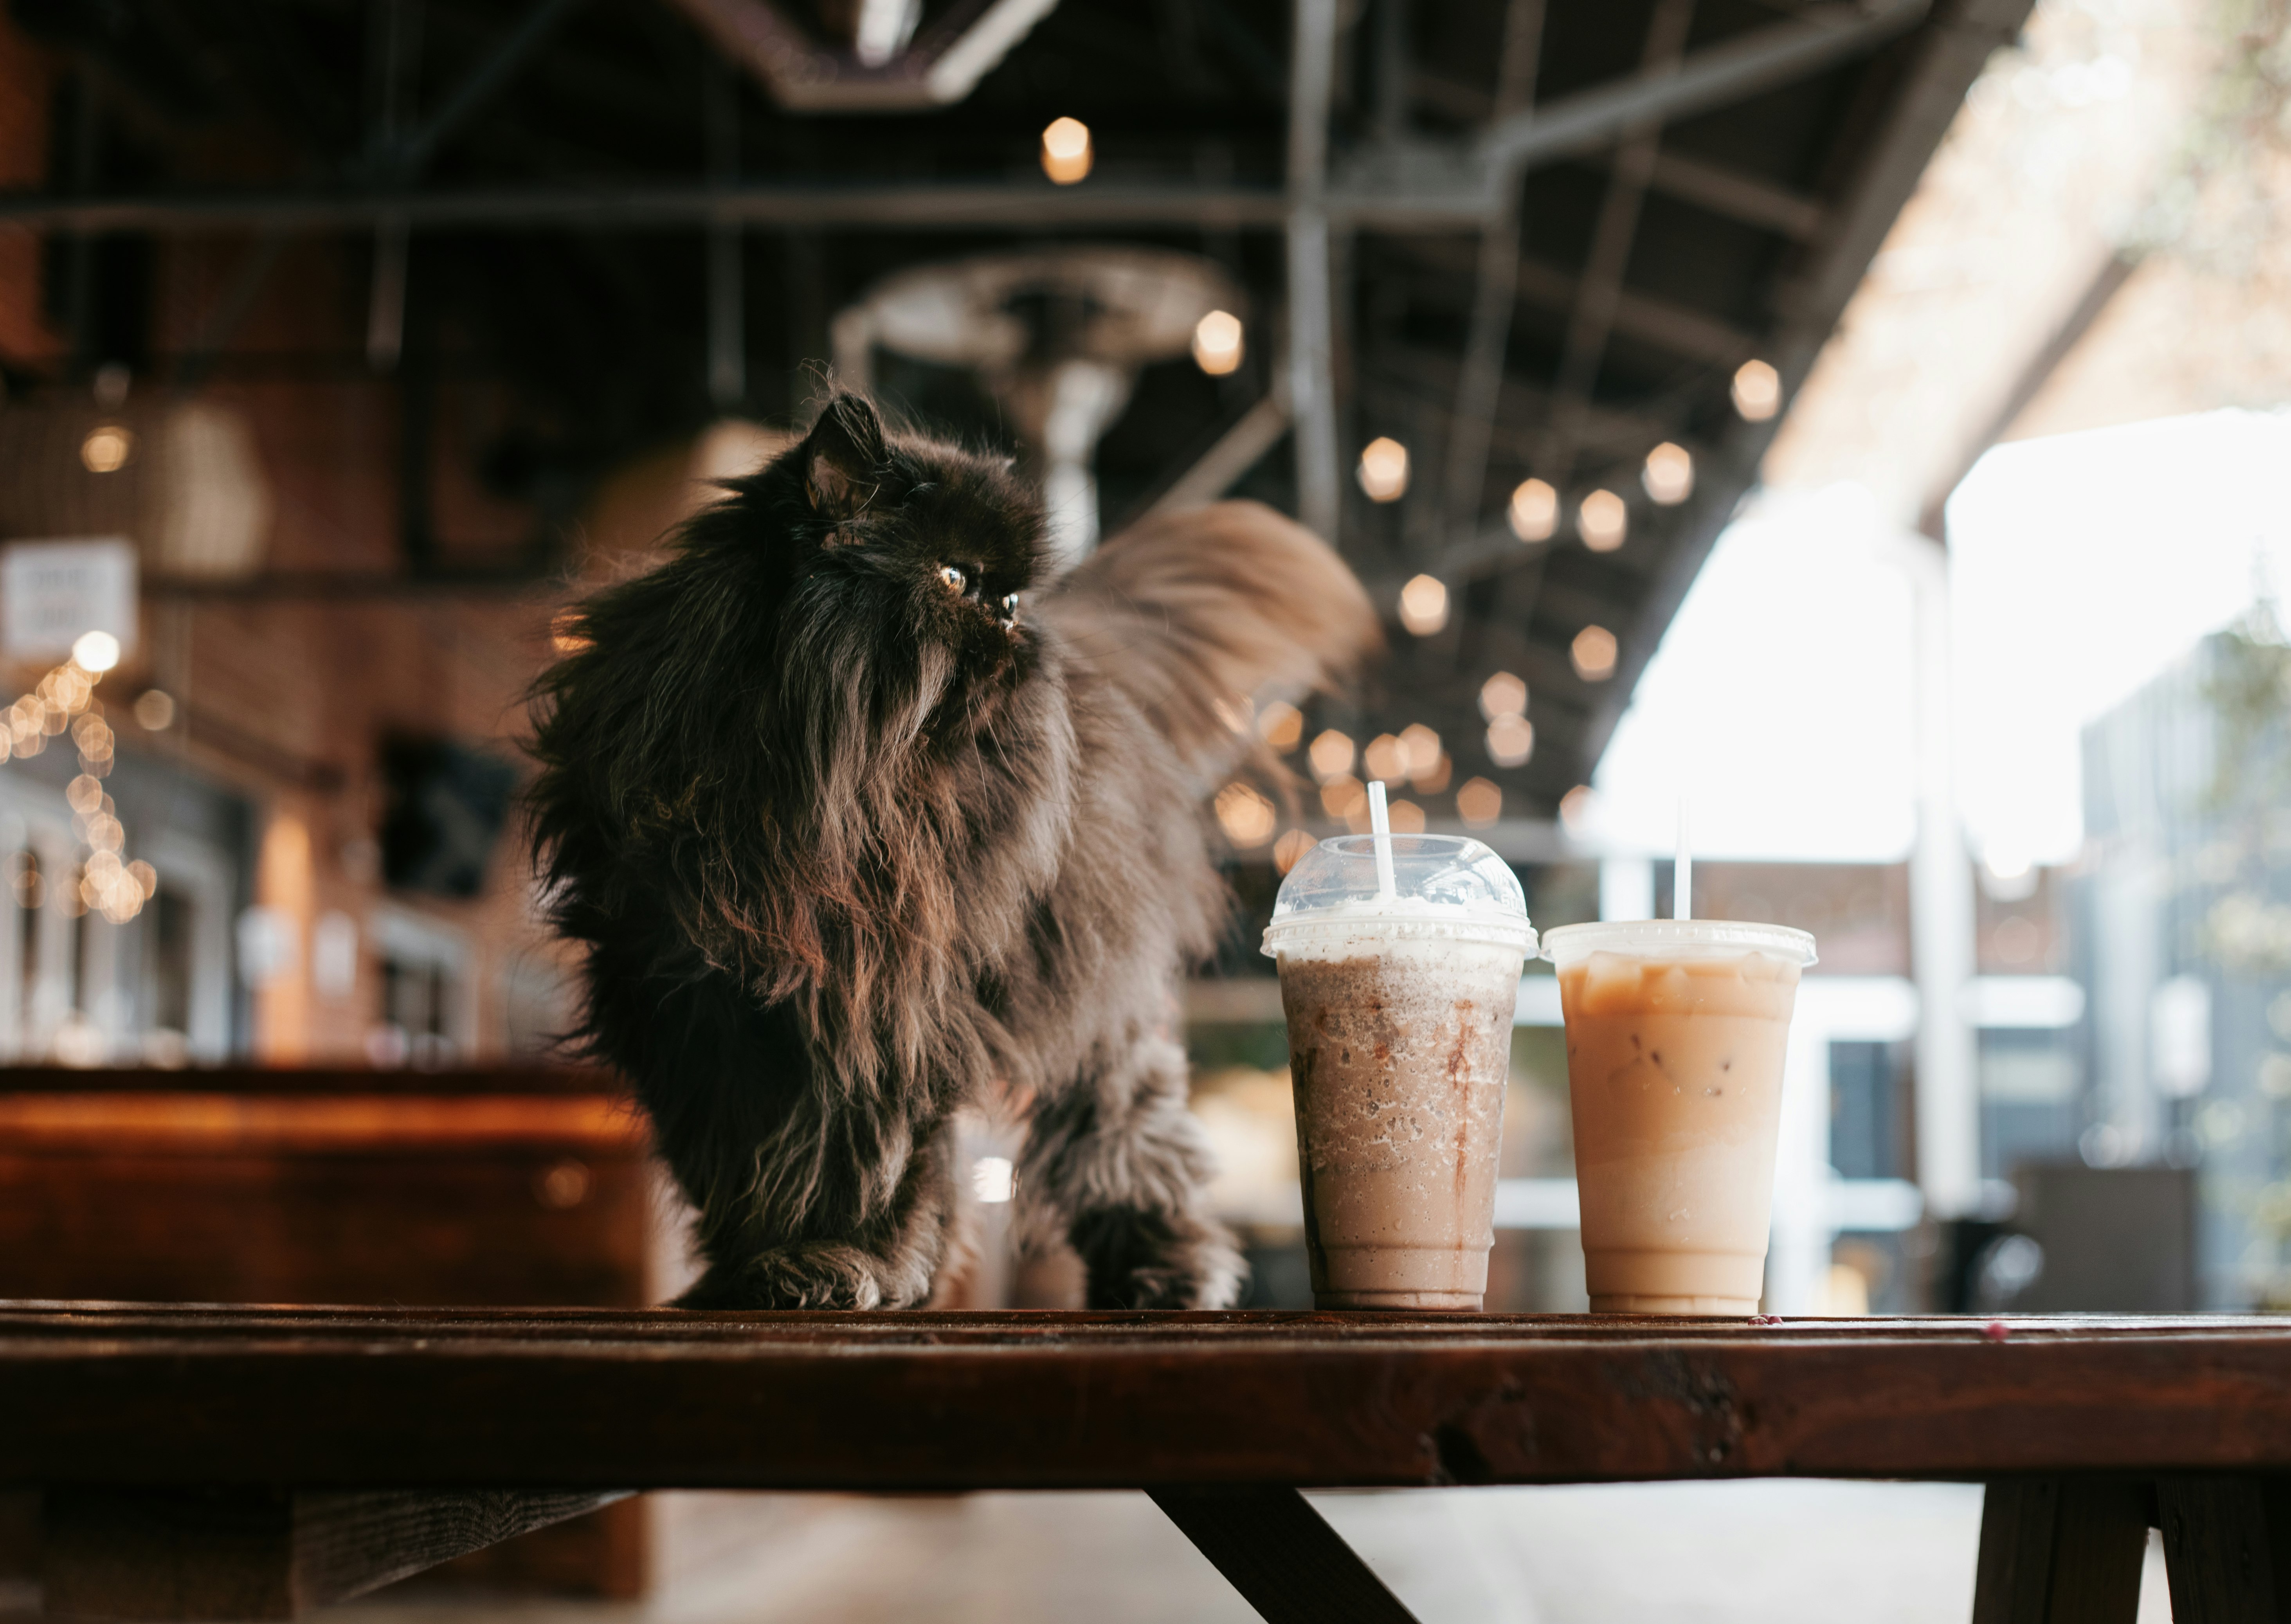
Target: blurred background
<point>1863,424</point>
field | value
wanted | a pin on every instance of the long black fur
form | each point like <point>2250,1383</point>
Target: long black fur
<point>854,831</point>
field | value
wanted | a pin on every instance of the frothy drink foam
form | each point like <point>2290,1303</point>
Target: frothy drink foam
<point>1399,1050</point>
<point>1675,1073</point>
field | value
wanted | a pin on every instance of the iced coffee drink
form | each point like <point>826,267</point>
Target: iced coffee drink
<point>1675,1035</point>
<point>1400,1010</point>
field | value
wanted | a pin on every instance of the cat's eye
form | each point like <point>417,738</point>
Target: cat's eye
<point>956,577</point>
<point>1011,606</point>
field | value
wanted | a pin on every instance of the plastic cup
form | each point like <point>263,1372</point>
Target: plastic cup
<point>1675,1034</point>
<point>1400,1007</point>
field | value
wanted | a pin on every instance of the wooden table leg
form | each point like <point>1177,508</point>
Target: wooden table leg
<point>2060,1550</point>
<point>255,1554</point>
<point>1281,1556</point>
<point>2227,1543</point>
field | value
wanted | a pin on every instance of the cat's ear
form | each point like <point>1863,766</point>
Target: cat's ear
<point>843,458</point>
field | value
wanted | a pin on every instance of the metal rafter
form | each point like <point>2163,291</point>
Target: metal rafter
<point>1601,286</point>
<point>1493,287</point>
<point>1312,383</point>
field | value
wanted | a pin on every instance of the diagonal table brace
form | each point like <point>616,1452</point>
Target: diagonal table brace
<point>1281,1556</point>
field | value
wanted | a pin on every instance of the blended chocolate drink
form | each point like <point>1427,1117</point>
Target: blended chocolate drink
<point>1400,1002</point>
<point>1676,1031</point>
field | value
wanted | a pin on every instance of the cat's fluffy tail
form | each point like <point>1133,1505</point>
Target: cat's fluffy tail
<point>1194,612</point>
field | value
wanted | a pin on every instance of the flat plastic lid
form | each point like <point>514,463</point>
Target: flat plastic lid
<point>1676,938</point>
<point>1444,885</point>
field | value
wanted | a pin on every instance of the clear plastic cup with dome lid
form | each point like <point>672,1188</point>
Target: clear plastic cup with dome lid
<point>1399,977</point>
<point>1676,1030</point>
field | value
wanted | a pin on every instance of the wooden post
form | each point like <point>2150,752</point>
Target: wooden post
<point>2227,1543</point>
<point>1281,1556</point>
<point>2060,1550</point>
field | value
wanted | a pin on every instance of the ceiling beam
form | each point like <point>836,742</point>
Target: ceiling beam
<point>858,206</point>
<point>941,68</point>
<point>1737,68</point>
<point>1492,298</point>
<point>1312,355</point>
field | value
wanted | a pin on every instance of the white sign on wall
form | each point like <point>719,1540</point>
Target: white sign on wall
<point>51,592</point>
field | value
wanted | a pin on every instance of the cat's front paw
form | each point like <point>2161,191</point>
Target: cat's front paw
<point>1139,1259</point>
<point>812,1276</point>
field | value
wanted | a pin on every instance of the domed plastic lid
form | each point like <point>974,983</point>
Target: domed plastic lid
<point>1444,887</point>
<point>1676,938</point>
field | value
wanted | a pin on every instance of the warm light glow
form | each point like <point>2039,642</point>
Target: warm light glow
<point>1344,796</point>
<point>1503,695</point>
<point>565,633</point>
<point>1668,475</point>
<point>93,734</point>
<point>1534,510</point>
<point>1436,780</point>
<point>1217,343</point>
<point>107,448</point>
<point>96,651</point>
<point>1594,654</point>
<point>1575,808</point>
<point>1424,605</point>
<point>1066,150</point>
<point>1385,759</point>
<point>1421,748</point>
<point>84,794</point>
<point>1384,469</point>
<point>1602,520</point>
<point>154,710</point>
<point>1405,817</point>
<point>1511,741</point>
<point>1290,847</point>
<point>1757,391</point>
<point>1331,756</point>
<point>1281,726</point>
<point>992,1179</point>
<point>1248,817</point>
<point>1479,803</point>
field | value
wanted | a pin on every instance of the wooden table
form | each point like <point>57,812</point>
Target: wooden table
<point>211,1463</point>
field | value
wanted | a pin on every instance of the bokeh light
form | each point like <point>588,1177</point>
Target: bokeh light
<point>1757,391</point>
<point>1511,741</point>
<point>1383,470</point>
<point>1603,521</point>
<point>1594,654</point>
<point>1668,475</point>
<point>1067,151</point>
<point>1534,512</point>
<point>1424,605</point>
<point>1479,802</point>
<point>1217,343</point>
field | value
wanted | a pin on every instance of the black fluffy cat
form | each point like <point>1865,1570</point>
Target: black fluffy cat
<point>855,829</point>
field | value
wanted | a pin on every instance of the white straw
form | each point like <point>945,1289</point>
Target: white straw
<point>1380,823</point>
<point>1682,873</point>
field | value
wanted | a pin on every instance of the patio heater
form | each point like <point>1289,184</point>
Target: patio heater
<point>1057,335</point>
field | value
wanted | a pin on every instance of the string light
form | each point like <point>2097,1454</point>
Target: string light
<point>1594,654</point>
<point>1757,391</point>
<point>1280,724</point>
<point>1248,817</point>
<point>1290,847</point>
<point>1424,605</point>
<point>106,449</point>
<point>1385,759</point>
<point>64,702</point>
<point>1511,741</point>
<point>1503,695</point>
<point>1383,470</point>
<point>1345,797</point>
<point>1602,520</point>
<point>1217,343</point>
<point>1332,755</point>
<point>1067,153</point>
<point>1668,475</point>
<point>1420,747</point>
<point>1479,802</point>
<point>1534,512</point>
<point>154,710</point>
